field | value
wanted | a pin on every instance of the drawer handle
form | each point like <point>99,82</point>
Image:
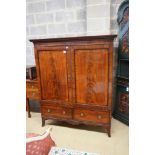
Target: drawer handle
<point>48,110</point>
<point>64,112</point>
<point>82,114</point>
<point>33,94</point>
<point>99,116</point>
<point>32,86</point>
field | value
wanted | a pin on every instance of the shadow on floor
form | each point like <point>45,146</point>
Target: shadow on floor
<point>80,126</point>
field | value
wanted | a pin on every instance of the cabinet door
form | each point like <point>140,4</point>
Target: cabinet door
<point>91,74</point>
<point>53,74</point>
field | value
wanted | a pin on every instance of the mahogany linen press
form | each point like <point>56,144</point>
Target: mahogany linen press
<point>75,79</point>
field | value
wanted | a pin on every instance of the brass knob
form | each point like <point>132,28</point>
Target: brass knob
<point>49,110</point>
<point>99,116</point>
<point>64,112</point>
<point>82,114</point>
<point>33,94</point>
<point>32,86</point>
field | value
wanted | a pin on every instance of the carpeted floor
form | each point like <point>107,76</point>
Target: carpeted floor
<point>84,138</point>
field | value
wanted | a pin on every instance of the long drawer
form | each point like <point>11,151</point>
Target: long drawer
<point>56,111</point>
<point>92,116</point>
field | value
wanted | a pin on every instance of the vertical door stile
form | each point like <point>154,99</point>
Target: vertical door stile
<point>110,76</point>
<point>68,57</point>
<point>73,75</point>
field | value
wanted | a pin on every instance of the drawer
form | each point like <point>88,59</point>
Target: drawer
<point>33,94</point>
<point>31,85</point>
<point>56,111</point>
<point>32,90</point>
<point>92,116</point>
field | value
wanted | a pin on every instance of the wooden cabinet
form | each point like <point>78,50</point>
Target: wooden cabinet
<point>75,79</point>
<point>32,92</point>
<point>121,111</point>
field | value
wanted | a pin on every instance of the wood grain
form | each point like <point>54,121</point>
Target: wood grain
<point>91,67</point>
<point>56,111</point>
<point>53,74</point>
<point>92,116</point>
<point>32,92</point>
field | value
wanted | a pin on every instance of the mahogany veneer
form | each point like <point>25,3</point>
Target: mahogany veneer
<point>75,79</point>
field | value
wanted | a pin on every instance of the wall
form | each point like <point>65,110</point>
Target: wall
<point>113,15</point>
<point>60,18</point>
<point>98,17</point>
<point>53,18</point>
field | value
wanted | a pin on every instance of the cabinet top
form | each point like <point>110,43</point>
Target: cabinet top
<point>80,38</point>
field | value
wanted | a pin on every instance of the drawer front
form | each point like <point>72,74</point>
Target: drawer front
<point>31,85</point>
<point>32,94</point>
<point>56,111</point>
<point>92,116</point>
<point>32,90</point>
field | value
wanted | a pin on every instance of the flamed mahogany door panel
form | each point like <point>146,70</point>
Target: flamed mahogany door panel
<point>91,75</point>
<point>53,74</point>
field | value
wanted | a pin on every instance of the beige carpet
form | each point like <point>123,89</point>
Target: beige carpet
<point>84,138</point>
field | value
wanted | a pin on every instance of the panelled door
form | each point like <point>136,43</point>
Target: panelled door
<point>54,72</point>
<point>91,74</point>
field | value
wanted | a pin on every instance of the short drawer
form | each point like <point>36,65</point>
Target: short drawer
<point>32,94</point>
<point>31,86</point>
<point>56,111</point>
<point>32,91</point>
<point>92,116</point>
